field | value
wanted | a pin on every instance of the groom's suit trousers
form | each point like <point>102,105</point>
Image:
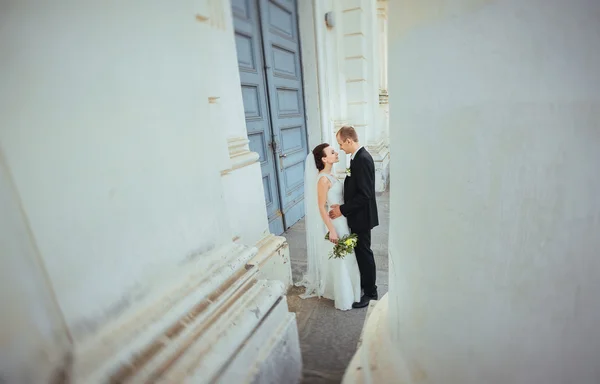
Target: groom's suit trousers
<point>361,211</point>
<point>366,263</point>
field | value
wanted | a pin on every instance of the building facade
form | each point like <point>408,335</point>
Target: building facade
<point>150,159</point>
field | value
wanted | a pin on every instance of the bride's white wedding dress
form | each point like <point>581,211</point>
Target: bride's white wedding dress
<point>335,279</point>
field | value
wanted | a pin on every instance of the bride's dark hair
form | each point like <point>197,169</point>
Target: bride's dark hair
<point>319,154</point>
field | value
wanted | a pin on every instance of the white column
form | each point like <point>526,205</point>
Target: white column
<point>383,113</point>
<point>382,30</point>
<point>324,70</point>
<point>362,71</point>
<point>309,20</point>
<point>357,54</point>
<point>494,267</point>
<point>129,162</point>
<point>379,145</point>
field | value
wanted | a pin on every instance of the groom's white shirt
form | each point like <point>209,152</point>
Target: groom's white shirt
<point>355,152</point>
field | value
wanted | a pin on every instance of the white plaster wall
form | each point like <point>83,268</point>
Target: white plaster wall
<point>327,43</point>
<point>104,125</point>
<point>244,193</point>
<point>495,209</point>
<point>335,53</point>
<point>374,134</point>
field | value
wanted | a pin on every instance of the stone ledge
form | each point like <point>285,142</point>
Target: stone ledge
<point>196,330</point>
<point>126,336</point>
<point>212,348</point>
<point>274,350</point>
<point>240,154</point>
<point>237,145</point>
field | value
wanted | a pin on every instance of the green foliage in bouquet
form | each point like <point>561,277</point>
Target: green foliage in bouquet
<point>344,246</point>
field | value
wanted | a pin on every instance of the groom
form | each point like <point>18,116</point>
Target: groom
<point>360,208</point>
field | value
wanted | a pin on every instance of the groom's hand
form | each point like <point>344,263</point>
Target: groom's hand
<point>335,211</point>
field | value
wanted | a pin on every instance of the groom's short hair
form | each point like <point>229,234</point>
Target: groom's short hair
<point>348,132</point>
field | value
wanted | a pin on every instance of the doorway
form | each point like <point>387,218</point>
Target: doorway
<point>268,51</point>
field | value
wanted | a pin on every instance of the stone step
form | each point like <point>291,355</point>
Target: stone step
<point>232,326</point>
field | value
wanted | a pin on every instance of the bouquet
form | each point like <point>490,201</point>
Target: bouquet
<point>344,246</point>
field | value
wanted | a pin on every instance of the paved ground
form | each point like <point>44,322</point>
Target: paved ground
<point>328,337</point>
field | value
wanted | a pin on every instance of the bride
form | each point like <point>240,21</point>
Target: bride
<point>334,279</point>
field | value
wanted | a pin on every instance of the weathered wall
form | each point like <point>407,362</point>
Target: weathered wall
<point>126,179</point>
<point>105,133</point>
<point>495,210</point>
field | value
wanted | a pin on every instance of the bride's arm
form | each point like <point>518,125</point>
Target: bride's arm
<point>322,188</point>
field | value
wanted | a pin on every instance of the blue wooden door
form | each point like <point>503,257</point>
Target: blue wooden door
<point>268,49</point>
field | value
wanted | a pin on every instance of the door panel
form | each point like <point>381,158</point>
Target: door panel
<point>250,61</point>
<point>281,47</point>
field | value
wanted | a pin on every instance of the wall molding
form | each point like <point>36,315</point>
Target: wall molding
<point>237,145</point>
<point>383,96</point>
<point>240,154</point>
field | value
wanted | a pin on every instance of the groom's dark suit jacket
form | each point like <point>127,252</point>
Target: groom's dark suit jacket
<point>360,207</point>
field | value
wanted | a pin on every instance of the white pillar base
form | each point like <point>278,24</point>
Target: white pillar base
<point>217,325</point>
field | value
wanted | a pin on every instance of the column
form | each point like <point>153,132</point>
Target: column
<point>379,147</point>
<point>494,267</point>
<point>323,55</point>
<point>357,74</point>
<point>382,29</point>
<point>118,174</point>
<point>362,72</point>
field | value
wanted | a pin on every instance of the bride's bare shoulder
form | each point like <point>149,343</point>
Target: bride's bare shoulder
<point>323,180</point>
